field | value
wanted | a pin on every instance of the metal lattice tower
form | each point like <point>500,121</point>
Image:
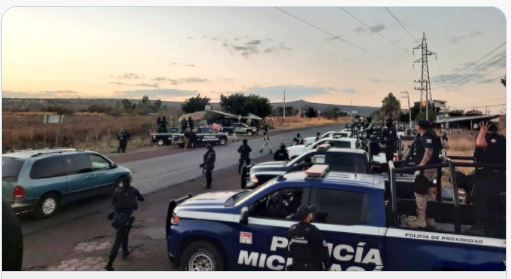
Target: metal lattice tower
<point>425,83</point>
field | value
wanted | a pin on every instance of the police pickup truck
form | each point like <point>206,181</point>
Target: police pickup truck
<point>173,135</point>
<point>205,135</point>
<point>240,128</point>
<point>338,159</point>
<point>362,222</point>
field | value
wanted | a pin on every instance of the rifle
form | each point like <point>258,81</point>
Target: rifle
<point>203,168</point>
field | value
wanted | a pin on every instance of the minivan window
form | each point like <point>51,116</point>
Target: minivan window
<point>49,167</point>
<point>98,162</point>
<point>78,163</point>
<point>11,168</point>
<point>340,207</point>
<point>340,144</point>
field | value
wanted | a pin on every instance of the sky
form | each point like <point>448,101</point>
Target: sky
<point>336,55</point>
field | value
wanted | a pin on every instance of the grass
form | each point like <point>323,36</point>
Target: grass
<point>98,131</point>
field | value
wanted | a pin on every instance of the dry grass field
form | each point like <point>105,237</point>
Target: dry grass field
<point>98,131</point>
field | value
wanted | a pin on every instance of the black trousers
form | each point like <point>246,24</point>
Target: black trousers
<point>389,151</point>
<point>121,240</point>
<point>489,207</point>
<point>209,177</point>
<point>247,162</point>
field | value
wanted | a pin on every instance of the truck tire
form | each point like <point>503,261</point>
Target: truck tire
<point>250,133</point>
<point>47,206</point>
<point>202,256</point>
<point>160,142</point>
<point>223,141</point>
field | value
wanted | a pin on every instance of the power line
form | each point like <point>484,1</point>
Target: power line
<point>484,101</point>
<point>402,25</point>
<point>328,33</point>
<point>377,33</point>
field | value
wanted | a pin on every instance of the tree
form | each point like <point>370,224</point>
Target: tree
<point>126,104</point>
<point>311,112</point>
<point>157,105</point>
<point>390,107</point>
<point>239,104</point>
<point>194,104</point>
<point>61,110</point>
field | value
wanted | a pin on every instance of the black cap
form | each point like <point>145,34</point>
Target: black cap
<point>303,211</point>
<point>425,124</point>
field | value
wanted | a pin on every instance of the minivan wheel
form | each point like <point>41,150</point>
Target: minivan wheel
<point>202,256</point>
<point>47,206</point>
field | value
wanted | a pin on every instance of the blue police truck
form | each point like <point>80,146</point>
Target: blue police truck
<point>362,222</point>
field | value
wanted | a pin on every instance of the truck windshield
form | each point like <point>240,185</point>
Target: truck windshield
<point>347,162</point>
<point>11,168</point>
<point>256,191</point>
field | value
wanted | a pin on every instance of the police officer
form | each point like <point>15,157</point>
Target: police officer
<point>389,138</point>
<point>209,164</point>
<point>124,201</point>
<point>190,123</point>
<point>490,182</point>
<point>318,136</point>
<point>266,142</point>
<point>426,153</point>
<point>244,151</point>
<point>307,246</point>
<point>298,139</point>
<point>281,154</point>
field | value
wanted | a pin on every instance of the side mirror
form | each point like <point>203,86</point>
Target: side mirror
<point>244,215</point>
<point>114,165</point>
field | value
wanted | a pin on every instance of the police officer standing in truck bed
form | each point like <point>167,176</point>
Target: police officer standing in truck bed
<point>306,243</point>
<point>244,151</point>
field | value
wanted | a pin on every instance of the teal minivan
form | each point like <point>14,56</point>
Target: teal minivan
<point>40,181</point>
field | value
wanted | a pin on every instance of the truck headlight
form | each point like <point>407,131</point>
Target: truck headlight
<point>253,178</point>
<point>175,220</point>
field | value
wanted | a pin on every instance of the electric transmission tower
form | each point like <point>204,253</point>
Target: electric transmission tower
<point>424,82</point>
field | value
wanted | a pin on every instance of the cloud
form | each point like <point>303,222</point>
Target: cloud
<point>152,85</point>
<point>474,73</point>
<point>179,81</point>
<point>295,92</point>
<point>253,46</point>
<point>162,93</point>
<point>457,39</point>
<point>375,80</point>
<point>360,29</point>
<point>128,76</point>
<point>42,94</point>
<point>377,28</point>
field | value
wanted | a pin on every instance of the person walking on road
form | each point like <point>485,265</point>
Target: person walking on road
<point>307,246</point>
<point>281,154</point>
<point>209,164</point>
<point>244,151</point>
<point>123,138</point>
<point>266,142</point>
<point>124,201</point>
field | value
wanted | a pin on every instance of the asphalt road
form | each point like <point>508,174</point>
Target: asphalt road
<point>79,237</point>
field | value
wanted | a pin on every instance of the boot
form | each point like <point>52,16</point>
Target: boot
<point>109,266</point>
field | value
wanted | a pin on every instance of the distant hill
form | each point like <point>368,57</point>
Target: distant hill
<point>36,104</point>
<point>301,104</point>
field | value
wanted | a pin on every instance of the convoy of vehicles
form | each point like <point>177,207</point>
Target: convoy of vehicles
<point>296,150</point>
<point>40,181</point>
<point>173,135</point>
<point>361,220</point>
<point>205,135</point>
<point>344,133</point>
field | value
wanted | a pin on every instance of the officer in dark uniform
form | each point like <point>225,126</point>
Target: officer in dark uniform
<point>12,240</point>
<point>490,183</point>
<point>281,154</point>
<point>307,246</point>
<point>209,164</point>
<point>426,153</point>
<point>389,138</point>
<point>124,201</point>
<point>244,151</point>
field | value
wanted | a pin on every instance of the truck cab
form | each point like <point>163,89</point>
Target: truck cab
<point>247,230</point>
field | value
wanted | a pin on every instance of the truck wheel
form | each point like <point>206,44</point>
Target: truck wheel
<point>223,141</point>
<point>202,256</point>
<point>160,142</point>
<point>47,206</point>
<point>249,133</point>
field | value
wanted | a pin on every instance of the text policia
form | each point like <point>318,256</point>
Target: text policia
<point>344,257</point>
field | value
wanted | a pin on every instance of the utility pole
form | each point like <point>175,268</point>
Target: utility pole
<point>284,110</point>
<point>407,96</point>
<point>425,84</point>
